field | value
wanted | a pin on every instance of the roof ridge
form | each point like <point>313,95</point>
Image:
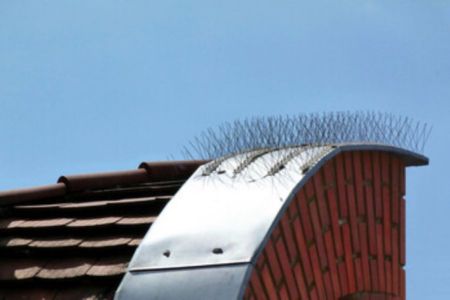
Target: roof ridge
<point>92,181</point>
<point>67,184</point>
<point>33,193</point>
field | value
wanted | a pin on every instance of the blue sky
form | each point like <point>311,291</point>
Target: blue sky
<point>95,85</point>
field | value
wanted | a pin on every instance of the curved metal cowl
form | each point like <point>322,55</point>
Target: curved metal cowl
<point>206,240</point>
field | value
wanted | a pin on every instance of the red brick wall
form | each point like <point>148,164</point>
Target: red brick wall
<point>342,237</point>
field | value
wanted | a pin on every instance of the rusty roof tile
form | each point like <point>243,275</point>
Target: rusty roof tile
<point>94,222</point>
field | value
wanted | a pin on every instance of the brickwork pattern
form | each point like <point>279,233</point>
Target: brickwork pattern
<point>342,237</point>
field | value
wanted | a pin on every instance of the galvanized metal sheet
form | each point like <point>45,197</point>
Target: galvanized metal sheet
<point>222,216</point>
<point>220,282</point>
<point>203,243</point>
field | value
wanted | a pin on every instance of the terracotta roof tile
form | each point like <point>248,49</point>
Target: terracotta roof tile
<point>14,242</point>
<point>138,201</point>
<point>10,223</point>
<point>58,222</point>
<point>74,239</point>
<point>103,180</point>
<point>36,206</point>
<point>97,204</point>
<point>94,222</point>
<point>36,193</point>
<point>105,242</point>
<point>109,267</point>
<point>90,208</point>
<point>59,269</point>
<point>135,242</point>
<point>55,243</point>
<point>136,220</point>
<point>19,269</point>
<point>170,169</point>
<point>25,273</point>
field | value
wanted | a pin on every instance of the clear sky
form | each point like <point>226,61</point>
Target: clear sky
<point>96,85</point>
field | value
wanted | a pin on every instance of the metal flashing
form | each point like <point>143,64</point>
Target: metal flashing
<point>219,282</point>
<point>223,216</point>
<point>223,210</point>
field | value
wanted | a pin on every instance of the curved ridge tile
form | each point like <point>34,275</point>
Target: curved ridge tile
<point>30,194</point>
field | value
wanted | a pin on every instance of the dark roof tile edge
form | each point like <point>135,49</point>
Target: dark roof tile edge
<point>34,193</point>
<point>171,169</point>
<point>147,171</point>
<point>93,181</point>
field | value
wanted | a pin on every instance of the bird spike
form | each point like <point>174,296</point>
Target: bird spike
<point>315,129</point>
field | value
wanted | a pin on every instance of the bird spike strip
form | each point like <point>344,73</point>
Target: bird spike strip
<point>318,129</point>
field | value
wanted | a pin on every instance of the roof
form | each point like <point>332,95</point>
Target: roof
<point>74,239</point>
<point>86,234</point>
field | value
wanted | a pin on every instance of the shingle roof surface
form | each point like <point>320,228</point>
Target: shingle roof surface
<point>74,239</point>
